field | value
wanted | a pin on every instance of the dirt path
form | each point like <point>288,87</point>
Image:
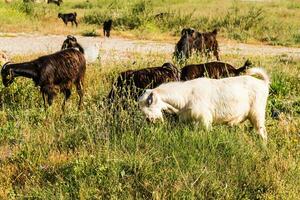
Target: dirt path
<point>119,48</point>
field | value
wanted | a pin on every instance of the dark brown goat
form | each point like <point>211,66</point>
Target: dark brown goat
<point>212,70</point>
<point>206,43</point>
<point>132,83</point>
<point>57,2</point>
<point>107,28</point>
<point>184,46</point>
<point>71,42</point>
<point>51,72</point>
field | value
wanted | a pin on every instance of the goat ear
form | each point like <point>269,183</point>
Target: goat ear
<point>5,65</point>
<point>183,32</point>
<point>194,34</point>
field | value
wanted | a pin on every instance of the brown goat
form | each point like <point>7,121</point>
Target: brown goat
<point>53,72</point>
<point>206,43</point>
<point>132,83</point>
<point>214,70</point>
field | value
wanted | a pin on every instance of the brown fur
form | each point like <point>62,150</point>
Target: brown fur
<point>71,42</point>
<point>212,70</point>
<point>133,82</point>
<point>206,43</point>
<point>184,46</point>
<point>53,72</point>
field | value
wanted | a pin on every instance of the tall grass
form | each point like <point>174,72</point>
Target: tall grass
<point>98,153</point>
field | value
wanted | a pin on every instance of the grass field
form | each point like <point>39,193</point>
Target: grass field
<point>92,154</point>
<point>96,153</point>
<point>273,22</point>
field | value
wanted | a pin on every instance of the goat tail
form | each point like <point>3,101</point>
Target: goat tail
<point>75,14</point>
<point>244,67</point>
<point>261,73</point>
<point>215,31</point>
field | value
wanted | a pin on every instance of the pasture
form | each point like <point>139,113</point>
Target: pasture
<point>99,153</point>
<point>94,153</point>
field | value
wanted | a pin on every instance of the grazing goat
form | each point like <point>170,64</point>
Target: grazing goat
<point>230,100</point>
<point>184,46</point>
<point>212,70</point>
<point>57,2</point>
<point>51,72</point>
<point>68,17</point>
<point>107,28</point>
<point>132,83</point>
<point>206,43</point>
<point>91,53</point>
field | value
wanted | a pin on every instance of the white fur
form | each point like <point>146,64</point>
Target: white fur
<point>229,100</point>
<point>91,53</point>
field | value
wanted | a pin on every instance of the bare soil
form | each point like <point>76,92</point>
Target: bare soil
<point>120,48</point>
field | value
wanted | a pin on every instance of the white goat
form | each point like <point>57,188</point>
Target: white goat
<point>229,100</point>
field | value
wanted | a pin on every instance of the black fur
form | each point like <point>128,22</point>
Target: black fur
<point>68,17</point>
<point>57,2</point>
<point>107,28</point>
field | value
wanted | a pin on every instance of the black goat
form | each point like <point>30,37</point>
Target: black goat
<point>71,42</point>
<point>107,28</point>
<point>57,2</point>
<point>51,72</point>
<point>132,83</point>
<point>212,70</point>
<point>184,46</point>
<point>68,17</point>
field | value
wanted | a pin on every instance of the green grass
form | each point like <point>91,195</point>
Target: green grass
<point>271,22</point>
<point>96,153</point>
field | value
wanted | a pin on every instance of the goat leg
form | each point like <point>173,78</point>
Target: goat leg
<point>67,93</point>
<point>79,88</point>
<point>44,99</point>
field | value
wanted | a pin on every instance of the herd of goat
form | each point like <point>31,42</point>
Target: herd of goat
<point>213,92</point>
